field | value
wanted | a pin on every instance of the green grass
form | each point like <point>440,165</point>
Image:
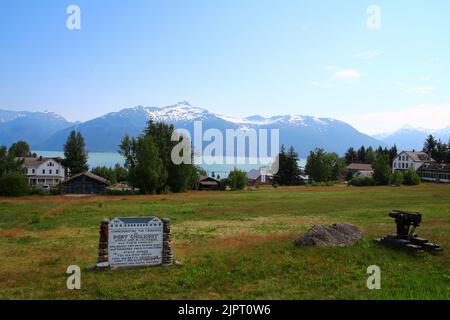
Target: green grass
<point>233,245</point>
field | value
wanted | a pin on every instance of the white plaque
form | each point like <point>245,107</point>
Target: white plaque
<point>135,242</point>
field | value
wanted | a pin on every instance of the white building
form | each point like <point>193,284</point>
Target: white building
<point>44,172</point>
<point>410,159</point>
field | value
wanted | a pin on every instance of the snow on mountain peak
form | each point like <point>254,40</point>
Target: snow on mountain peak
<point>182,111</point>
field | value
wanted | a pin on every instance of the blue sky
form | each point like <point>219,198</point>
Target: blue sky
<point>234,57</point>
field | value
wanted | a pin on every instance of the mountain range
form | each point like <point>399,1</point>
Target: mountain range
<point>410,138</point>
<point>49,131</point>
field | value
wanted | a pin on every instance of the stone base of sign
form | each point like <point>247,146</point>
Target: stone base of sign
<point>167,255</point>
<point>102,260</point>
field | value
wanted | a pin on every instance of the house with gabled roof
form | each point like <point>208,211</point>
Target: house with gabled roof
<point>410,160</point>
<point>43,171</point>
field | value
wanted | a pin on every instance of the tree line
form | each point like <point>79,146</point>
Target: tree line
<point>438,150</point>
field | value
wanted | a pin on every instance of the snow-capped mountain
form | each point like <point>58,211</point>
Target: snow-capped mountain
<point>33,127</point>
<point>410,138</point>
<point>443,134</point>
<point>305,133</point>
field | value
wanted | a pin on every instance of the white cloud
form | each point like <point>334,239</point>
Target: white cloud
<point>347,74</point>
<point>369,55</point>
<point>434,117</point>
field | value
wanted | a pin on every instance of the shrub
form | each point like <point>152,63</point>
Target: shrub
<point>237,180</point>
<point>362,181</point>
<point>223,184</point>
<point>411,178</point>
<point>381,170</point>
<point>396,178</point>
<point>13,184</point>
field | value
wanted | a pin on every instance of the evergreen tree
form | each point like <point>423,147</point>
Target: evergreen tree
<point>393,153</point>
<point>293,171</point>
<point>75,154</point>
<point>370,155</point>
<point>430,145</point>
<point>351,156</point>
<point>281,176</point>
<point>362,155</point>
<point>441,153</point>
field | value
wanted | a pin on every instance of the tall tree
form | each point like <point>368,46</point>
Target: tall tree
<point>178,175</point>
<point>370,155</point>
<point>281,176</point>
<point>393,152</point>
<point>20,149</point>
<point>7,162</point>
<point>293,171</point>
<point>381,169</point>
<point>318,166</point>
<point>337,165</point>
<point>75,154</point>
<point>145,168</point>
<point>430,145</point>
<point>362,155</point>
<point>351,156</point>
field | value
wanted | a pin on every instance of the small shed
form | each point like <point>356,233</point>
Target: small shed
<point>208,183</point>
<point>85,183</point>
<point>256,178</point>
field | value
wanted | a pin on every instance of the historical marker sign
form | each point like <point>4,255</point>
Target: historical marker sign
<point>135,242</point>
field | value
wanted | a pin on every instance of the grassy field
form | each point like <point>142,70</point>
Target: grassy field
<point>233,245</point>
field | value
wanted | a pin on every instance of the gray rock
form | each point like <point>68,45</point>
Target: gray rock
<point>338,234</point>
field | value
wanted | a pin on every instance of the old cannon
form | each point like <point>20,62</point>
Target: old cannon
<point>407,222</point>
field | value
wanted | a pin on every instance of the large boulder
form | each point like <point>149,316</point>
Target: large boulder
<point>338,234</point>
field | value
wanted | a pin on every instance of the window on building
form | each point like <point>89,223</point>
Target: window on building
<point>57,171</point>
<point>43,171</point>
<point>50,171</point>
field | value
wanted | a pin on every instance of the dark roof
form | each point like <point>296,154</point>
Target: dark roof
<point>209,183</point>
<point>205,179</point>
<point>360,167</point>
<point>31,162</point>
<point>136,220</point>
<point>433,166</point>
<point>90,175</point>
